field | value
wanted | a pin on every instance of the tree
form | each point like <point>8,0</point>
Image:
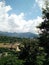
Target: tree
<point>29,52</point>
<point>44,35</point>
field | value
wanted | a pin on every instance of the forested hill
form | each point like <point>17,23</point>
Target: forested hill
<point>21,35</point>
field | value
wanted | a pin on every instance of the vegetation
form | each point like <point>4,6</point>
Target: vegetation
<point>32,51</point>
<point>44,35</point>
<point>6,39</point>
<point>27,46</point>
<point>10,60</point>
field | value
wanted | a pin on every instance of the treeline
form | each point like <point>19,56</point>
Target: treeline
<point>7,39</point>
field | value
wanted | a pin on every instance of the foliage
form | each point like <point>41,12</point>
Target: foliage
<point>10,60</point>
<point>9,57</point>
<point>6,39</point>
<point>44,35</point>
<point>29,52</point>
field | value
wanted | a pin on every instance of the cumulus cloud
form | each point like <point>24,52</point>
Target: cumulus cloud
<point>16,23</point>
<point>42,3</point>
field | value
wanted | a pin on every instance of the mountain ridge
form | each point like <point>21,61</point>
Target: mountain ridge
<point>21,35</point>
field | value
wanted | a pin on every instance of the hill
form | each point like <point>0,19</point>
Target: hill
<point>21,35</point>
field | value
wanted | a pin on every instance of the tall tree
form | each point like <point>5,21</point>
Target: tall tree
<point>44,35</point>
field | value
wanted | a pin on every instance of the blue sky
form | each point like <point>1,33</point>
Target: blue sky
<point>20,15</point>
<point>29,7</point>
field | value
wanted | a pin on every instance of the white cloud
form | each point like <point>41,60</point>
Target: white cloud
<point>42,3</point>
<point>16,23</point>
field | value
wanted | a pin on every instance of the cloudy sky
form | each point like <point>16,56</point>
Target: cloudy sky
<point>20,15</point>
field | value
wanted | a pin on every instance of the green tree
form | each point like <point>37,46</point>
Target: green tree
<point>10,60</point>
<point>44,35</point>
<point>29,51</point>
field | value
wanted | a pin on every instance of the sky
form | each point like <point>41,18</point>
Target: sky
<point>20,15</point>
<point>29,7</point>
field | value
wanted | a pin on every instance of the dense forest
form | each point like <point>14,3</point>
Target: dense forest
<point>32,51</point>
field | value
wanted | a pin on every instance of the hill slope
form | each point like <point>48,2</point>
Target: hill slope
<point>21,35</point>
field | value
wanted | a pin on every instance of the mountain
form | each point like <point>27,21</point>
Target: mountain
<point>22,35</point>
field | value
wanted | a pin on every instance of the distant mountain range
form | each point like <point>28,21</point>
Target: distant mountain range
<point>21,35</point>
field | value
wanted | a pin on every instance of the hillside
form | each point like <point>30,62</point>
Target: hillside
<point>21,35</point>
